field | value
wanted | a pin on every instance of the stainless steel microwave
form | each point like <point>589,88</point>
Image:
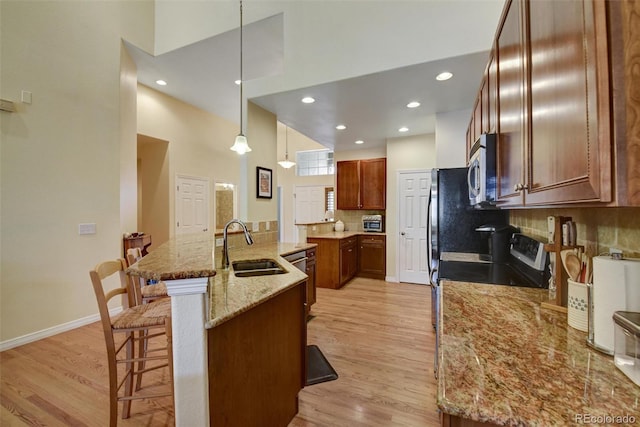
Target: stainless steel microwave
<point>481,175</point>
<point>373,223</point>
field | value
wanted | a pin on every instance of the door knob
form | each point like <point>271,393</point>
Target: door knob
<point>402,234</point>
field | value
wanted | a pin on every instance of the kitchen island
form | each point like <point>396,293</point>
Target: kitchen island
<point>504,360</point>
<point>213,316</point>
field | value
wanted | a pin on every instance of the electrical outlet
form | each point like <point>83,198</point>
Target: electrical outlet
<point>219,242</point>
<point>255,226</point>
<point>87,228</point>
<point>266,225</point>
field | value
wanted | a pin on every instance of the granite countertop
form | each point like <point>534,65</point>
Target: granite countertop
<point>230,296</point>
<point>181,257</point>
<point>192,256</point>
<point>505,360</point>
<point>344,234</point>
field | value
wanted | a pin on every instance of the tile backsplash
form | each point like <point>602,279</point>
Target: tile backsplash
<point>352,222</point>
<point>598,229</point>
<point>236,236</point>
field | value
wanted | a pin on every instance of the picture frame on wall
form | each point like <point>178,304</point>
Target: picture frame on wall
<point>264,182</point>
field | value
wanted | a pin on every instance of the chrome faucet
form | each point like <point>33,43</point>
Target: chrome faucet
<point>225,247</point>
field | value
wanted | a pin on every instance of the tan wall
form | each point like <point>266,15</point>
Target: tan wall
<point>61,156</point>
<point>599,229</point>
<point>154,190</point>
<point>261,134</point>
<point>198,142</point>
<point>403,154</point>
<point>288,180</point>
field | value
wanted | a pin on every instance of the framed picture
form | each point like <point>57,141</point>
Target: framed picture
<point>264,183</point>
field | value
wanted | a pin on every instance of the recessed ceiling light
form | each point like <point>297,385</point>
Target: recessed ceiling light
<point>413,104</point>
<point>238,82</point>
<point>359,142</point>
<point>403,129</point>
<point>161,82</point>
<point>444,76</point>
<point>341,127</point>
<point>308,100</point>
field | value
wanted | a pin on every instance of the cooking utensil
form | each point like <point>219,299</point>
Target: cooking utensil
<point>573,266</point>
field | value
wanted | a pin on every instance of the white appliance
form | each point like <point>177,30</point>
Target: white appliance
<point>616,287</point>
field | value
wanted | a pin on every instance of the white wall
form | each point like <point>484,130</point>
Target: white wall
<point>451,138</point>
<point>61,155</point>
<point>324,41</point>
<point>409,153</point>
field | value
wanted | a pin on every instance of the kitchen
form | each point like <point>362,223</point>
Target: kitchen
<point>619,229</point>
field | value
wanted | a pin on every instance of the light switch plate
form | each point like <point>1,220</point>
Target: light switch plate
<point>87,228</point>
<point>219,242</point>
<point>255,226</point>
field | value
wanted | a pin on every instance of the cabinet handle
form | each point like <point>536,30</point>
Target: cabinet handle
<point>519,187</point>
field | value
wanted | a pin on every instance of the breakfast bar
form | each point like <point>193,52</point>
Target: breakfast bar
<point>504,360</point>
<point>204,296</point>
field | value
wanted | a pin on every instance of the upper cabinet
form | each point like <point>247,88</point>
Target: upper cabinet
<point>510,99</point>
<point>557,91</point>
<point>362,184</point>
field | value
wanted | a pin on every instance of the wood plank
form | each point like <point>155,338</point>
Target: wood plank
<point>377,335</point>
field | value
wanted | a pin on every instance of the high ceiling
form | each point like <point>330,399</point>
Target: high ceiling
<point>372,106</point>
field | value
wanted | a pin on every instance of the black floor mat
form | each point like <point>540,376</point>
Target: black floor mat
<point>318,368</point>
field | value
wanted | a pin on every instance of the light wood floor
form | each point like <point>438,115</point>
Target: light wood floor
<point>377,336</point>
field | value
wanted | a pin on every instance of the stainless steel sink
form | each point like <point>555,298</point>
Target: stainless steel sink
<point>257,267</point>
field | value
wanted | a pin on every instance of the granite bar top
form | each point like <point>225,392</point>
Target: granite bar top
<point>181,257</point>
<point>344,234</point>
<point>505,360</point>
<point>192,256</point>
<point>230,296</point>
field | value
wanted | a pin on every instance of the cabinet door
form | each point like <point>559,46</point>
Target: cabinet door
<point>372,256</point>
<point>511,102</point>
<point>568,158</point>
<point>348,259</point>
<point>373,184</point>
<point>348,185</point>
<point>492,93</point>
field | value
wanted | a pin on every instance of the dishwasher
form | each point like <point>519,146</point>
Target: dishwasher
<point>298,259</point>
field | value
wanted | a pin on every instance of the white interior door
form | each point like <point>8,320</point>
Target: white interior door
<point>413,265</point>
<point>310,204</point>
<point>192,205</point>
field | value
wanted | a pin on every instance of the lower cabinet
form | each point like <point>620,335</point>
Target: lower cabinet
<point>246,354</point>
<point>348,259</point>
<point>336,262</point>
<point>372,256</point>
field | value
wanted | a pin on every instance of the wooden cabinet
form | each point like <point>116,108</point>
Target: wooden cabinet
<point>361,184</point>
<point>246,354</point>
<point>372,256</point>
<point>310,271</point>
<point>511,102</point>
<point>348,259</point>
<point>568,158</point>
<point>336,260</point>
<point>546,93</point>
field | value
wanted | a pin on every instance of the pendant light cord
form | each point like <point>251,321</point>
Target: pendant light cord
<point>241,76</point>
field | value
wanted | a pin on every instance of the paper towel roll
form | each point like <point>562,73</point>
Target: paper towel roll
<point>616,286</point>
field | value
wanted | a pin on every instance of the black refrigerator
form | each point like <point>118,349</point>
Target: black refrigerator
<point>452,219</point>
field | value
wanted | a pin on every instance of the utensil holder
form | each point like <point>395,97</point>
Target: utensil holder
<point>577,307</point>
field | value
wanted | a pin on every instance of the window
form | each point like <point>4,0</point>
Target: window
<point>329,200</point>
<point>314,162</point>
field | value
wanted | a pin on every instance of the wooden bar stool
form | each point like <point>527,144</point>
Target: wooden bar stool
<point>152,320</point>
<point>144,293</point>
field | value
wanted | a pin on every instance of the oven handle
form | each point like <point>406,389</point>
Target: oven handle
<point>299,260</point>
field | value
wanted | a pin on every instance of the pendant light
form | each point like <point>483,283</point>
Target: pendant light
<point>241,145</point>
<point>286,163</point>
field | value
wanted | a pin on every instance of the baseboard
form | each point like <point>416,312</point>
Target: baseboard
<point>54,330</point>
<point>391,279</point>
